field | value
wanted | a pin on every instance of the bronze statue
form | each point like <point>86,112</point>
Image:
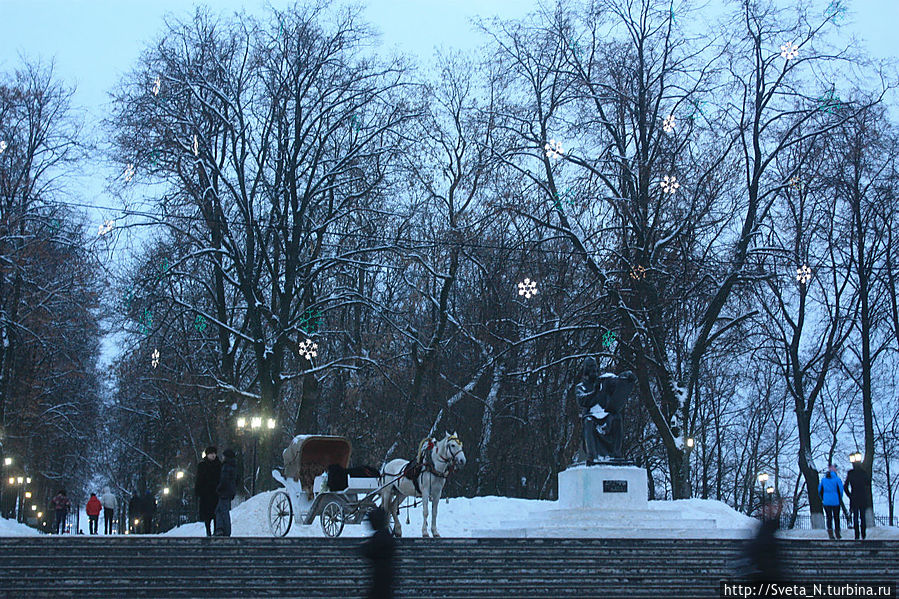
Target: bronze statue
<point>602,398</point>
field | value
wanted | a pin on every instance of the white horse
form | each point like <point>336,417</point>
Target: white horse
<point>445,455</point>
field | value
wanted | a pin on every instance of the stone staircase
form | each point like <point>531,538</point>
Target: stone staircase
<point>508,568</point>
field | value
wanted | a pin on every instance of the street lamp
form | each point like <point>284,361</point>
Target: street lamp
<point>763,478</point>
<point>256,429</point>
<point>855,458</point>
<point>7,461</point>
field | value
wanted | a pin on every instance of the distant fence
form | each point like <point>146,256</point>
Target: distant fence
<point>804,522</point>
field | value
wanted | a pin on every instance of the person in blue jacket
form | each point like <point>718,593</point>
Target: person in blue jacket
<point>831,491</point>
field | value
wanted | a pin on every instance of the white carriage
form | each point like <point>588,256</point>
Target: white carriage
<point>308,493</point>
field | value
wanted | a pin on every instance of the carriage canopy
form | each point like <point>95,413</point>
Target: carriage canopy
<point>307,456</point>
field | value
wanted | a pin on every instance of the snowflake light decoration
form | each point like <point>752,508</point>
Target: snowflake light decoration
<point>829,102</point>
<point>145,324</point>
<point>670,184</point>
<point>196,146</point>
<point>106,227</point>
<point>554,149</point>
<point>527,288</point>
<point>2,146</point>
<point>200,323</point>
<point>355,122</point>
<point>789,51</point>
<point>154,156</point>
<point>310,321</point>
<point>638,272</point>
<point>804,274</point>
<point>794,181</point>
<point>156,85</point>
<point>155,358</point>
<point>129,172</point>
<point>697,107</point>
<point>836,11</point>
<point>668,125</point>
<point>608,339</point>
<point>309,349</point>
<point>567,196</point>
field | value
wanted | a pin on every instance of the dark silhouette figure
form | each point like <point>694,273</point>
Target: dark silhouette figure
<point>763,557</point>
<point>209,471</point>
<point>148,511</point>
<point>602,398</point>
<point>379,549</point>
<point>61,505</point>
<point>858,487</point>
<point>227,489</point>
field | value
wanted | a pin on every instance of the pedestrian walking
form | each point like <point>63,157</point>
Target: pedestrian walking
<point>763,555</point>
<point>134,513</point>
<point>108,499</point>
<point>148,510</point>
<point>858,488</point>
<point>209,471</point>
<point>93,508</point>
<point>226,489</point>
<point>61,506</point>
<point>379,549</point>
<point>831,491</point>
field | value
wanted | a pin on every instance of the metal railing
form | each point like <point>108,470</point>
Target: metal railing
<point>804,522</point>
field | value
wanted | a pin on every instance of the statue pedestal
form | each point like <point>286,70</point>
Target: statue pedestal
<point>603,486</point>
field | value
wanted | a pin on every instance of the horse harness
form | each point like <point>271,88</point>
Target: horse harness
<point>424,462</point>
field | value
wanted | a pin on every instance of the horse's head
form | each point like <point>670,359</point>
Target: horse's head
<point>452,448</point>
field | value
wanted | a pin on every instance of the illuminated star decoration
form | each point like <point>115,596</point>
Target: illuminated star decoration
<point>156,85</point>
<point>794,181</point>
<point>308,349</point>
<point>200,323</point>
<point>608,339</point>
<point>129,172</point>
<point>155,358</point>
<point>638,272</point>
<point>2,146</point>
<point>310,321</point>
<point>804,274</point>
<point>106,227</point>
<point>668,125</point>
<point>830,102</point>
<point>553,149</point>
<point>669,184</point>
<point>789,51</point>
<point>196,146</point>
<point>527,288</point>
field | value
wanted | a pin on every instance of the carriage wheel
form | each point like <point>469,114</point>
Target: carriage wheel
<point>280,514</point>
<point>332,518</point>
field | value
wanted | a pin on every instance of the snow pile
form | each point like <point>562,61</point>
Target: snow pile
<point>708,509</point>
<point>459,517</point>
<point>11,528</point>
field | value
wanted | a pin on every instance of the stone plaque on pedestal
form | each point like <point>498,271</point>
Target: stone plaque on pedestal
<point>603,486</point>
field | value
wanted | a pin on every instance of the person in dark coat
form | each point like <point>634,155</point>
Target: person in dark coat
<point>763,551</point>
<point>858,487</point>
<point>61,506</point>
<point>226,489</point>
<point>209,471</point>
<point>134,513</point>
<point>831,491</point>
<point>148,511</point>
<point>379,549</point>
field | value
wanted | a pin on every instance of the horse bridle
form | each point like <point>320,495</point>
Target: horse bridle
<point>451,459</point>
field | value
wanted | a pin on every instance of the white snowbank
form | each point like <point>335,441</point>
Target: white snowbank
<point>460,517</point>
<point>11,528</point>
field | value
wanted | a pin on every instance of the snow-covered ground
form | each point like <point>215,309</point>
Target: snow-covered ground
<point>458,517</point>
<point>11,528</point>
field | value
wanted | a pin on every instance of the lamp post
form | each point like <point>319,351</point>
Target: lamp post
<point>855,458</point>
<point>763,478</point>
<point>254,426</point>
<point>7,462</point>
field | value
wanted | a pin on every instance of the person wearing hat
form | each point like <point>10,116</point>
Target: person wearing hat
<point>227,489</point>
<point>209,471</point>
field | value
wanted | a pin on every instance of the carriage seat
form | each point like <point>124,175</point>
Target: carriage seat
<point>354,485</point>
